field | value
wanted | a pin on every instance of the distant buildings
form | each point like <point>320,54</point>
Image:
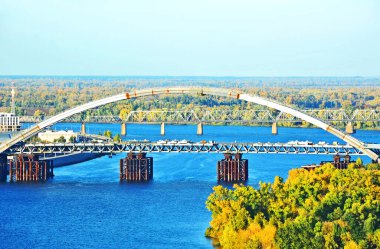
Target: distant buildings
<point>9,122</point>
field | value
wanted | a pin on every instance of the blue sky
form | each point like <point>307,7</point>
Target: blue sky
<point>194,38</point>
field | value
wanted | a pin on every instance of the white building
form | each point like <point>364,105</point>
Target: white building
<point>50,135</point>
<point>9,122</point>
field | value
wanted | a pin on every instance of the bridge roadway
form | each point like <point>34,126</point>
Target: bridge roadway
<point>189,147</point>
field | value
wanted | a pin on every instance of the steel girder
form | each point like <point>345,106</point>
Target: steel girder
<point>255,148</point>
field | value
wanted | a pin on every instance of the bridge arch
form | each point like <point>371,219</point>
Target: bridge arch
<point>191,90</point>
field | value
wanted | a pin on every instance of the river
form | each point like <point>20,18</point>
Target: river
<point>85,206</point>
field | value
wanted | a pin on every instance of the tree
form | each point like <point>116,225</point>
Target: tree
<point>38,113</point>
<point>72,139</point>
<point>322,208</point>
<point>359,162</point>
<point>117,138</point>
<point>108,133</point>
<point>61,139</point>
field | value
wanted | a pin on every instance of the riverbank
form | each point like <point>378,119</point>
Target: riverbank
<point>320,208</point>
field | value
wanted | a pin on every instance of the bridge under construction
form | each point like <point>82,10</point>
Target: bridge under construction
<point>293,147</point>
<point>139,167</point>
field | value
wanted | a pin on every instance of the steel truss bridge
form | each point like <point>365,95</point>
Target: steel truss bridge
<point>214,147</point>
<point>221,116</point>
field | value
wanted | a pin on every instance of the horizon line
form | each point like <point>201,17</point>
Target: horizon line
<point>185,76</point>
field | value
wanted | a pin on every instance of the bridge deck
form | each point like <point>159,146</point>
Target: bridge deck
<point>157,147</point>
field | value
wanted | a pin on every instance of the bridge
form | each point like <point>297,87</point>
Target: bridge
<point>205,115</point>
<point>207,147</point>
<point>226,168</point>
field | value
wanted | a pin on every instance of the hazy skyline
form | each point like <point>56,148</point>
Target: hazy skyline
<point>190,38</point>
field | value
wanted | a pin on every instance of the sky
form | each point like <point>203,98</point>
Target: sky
<point>190,37</point>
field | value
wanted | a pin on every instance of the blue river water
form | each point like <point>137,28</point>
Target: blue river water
<point>85,206</point>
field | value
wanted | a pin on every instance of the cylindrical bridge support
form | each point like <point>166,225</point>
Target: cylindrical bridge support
<point>83,128</point>
<point>274,128</point>
<point>350,128</point>
<point>200,129</point>
<point>162,129</point>
<point>123,129</point>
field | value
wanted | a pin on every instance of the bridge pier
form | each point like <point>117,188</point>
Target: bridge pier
<point>200,129</point>
<point>28,168</point>
<point>123,129</point>
<point>341,164</point>
<point>83,128</point>
<point>232,169</point>
<point>136,168</point>
<point>3,168</point>
<point>350,129</point>
<point>339,161</point>
<point>274,128</point>
<point>162,129</point>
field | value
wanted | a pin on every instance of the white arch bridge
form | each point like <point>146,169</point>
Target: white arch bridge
<point>237,94</point>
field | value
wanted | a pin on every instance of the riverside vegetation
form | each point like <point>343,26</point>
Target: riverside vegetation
<point>45,96</point>
<point>321,208</point>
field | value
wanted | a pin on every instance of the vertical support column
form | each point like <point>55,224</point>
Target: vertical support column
<point>162,129</point>
<point>122,171</point>
<point>336,161</point>
<point>347,160</point>
<point>350,128</point>
<point>123,129</point>
<point>274,128</point>
<point>3,167</point>
<point>200,129</point>
<point>83,128</point>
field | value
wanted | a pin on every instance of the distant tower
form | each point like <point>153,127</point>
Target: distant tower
<point>13,110</point>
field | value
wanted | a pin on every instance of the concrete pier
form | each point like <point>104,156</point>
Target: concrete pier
<point>123,129</point>
<point>83,128</point>
<point>162,129</point>
<point>232,169</point>
<point>350,128</point>
<point>274,129</point>
<point>136,168</point>
<point>200,129</point>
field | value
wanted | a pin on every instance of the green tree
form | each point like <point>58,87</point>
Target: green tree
<point>117,138</point>
<point>108,133</point>
<point>61,139</point>
<point>72,139</point>
<point>38,113</point>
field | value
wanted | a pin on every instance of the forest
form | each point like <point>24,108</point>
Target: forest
<point>320,208</point>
